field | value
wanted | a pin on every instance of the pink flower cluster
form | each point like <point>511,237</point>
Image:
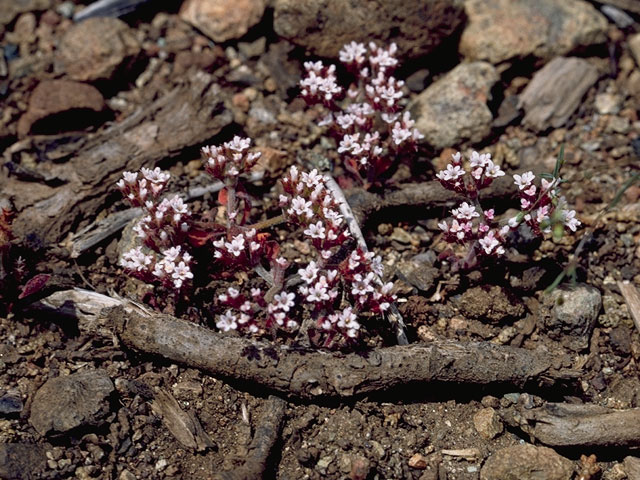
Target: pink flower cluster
<point>254,314</point>
<point>473,226</point>
<point>308,203</point>
<point>335,292</point>
<point>354,116</point>
<point>162,230</point>
<point>227,161</point>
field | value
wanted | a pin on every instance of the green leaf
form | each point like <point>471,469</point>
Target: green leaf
<point>559,162</point>
<point>633,179</point>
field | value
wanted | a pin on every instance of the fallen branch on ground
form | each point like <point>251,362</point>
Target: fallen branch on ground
<point>568,425</point>
<point>420,195</point>
<point>264,439</point>
<point>306,373</point>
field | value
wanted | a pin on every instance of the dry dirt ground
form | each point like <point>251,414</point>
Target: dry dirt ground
<point>426,431</point>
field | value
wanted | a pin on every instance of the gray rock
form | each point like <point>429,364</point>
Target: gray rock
<point>10,402</point>
<point>570,313</point>
<point>64,403</point>
<point>419,272</point>
<point>21,461</point>
<point>500,30</point>
<point>324,26</point>
<point>556,91</point>
<point>454,108</point>
<point>222,20</point>
<point>526,462</point>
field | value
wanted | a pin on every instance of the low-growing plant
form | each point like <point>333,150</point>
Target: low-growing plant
<point>542,209</point>
<point>365,118</point>
<point>336,293</point>
<point>339,287</point>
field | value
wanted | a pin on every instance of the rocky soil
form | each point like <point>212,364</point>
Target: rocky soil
<point>87,94</point>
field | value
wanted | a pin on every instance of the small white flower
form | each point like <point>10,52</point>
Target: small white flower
<point>524,180</point>
<point>570,219</point>
<point>451,173</point>
<point>227,321</point>
<point>284,300</point>
<point>236,246</point>
<point>465,212</point>
<point>315,230</point>
<point>309,273</point>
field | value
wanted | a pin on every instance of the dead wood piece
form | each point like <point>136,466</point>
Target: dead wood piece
<point>308,373</point>
<point>184,426</point>
<point>632,297</point>
<point>312,373</point>
<point>266,436</point>
<point>425,195</point>
<point>556,91</point>
<point>568,425</point>
<point>185,117</point>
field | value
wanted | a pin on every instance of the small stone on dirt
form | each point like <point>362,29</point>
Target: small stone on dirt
<point>488,423</point>
<point>10,402</point>
<point>222,20</point>
<point>500,30</point>
<point>571,313</point>
<point>97,48</point>
<point>61,103</point>
<point>454,108</point>
<point>418,461</point>
<point>63,403</point>
<point>526,462</point>
<point>555,92</point>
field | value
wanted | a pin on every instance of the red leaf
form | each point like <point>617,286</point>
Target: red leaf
<point>222,196</point>
<point>199,238</point>
<point>34,285</point>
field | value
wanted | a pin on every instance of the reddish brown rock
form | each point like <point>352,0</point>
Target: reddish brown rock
<point>96,49</point>
<point>500,30</point>
<point>324,26</point>
<point>222,20</point>
<point>53,98</point>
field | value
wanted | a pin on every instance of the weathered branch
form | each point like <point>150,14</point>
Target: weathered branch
<point>421,195</point>
<point>78,187</point>
<point>567,425</point>
<point>306,373</point>
<point>264,439</point>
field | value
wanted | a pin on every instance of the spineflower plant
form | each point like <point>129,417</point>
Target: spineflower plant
<point>366,118</point>
<point>542,209</point>
<point>335,289</point>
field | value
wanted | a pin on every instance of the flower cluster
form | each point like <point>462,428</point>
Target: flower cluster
<point>365,118</point>
<point>336,289</point>
<point>308,203</point>
<point>162,230</point>
<point>243,249</point>
<point>227,161</point>
<point>254,314</point>
<point>476,228</point>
